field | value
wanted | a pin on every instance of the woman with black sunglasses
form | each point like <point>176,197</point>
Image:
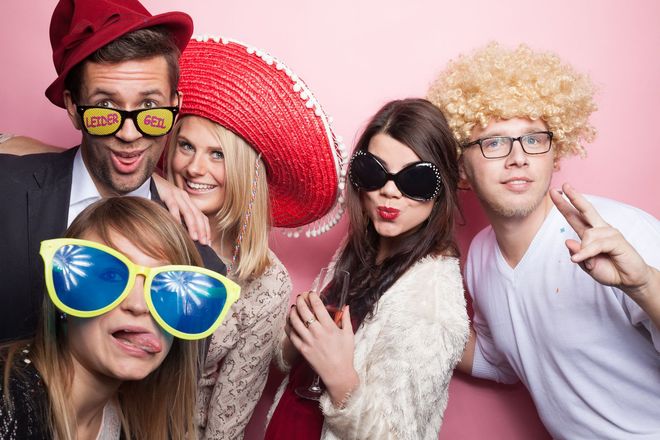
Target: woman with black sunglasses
<point>386,367</point>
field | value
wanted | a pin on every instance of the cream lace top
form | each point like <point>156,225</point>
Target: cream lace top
<point>239,355</point>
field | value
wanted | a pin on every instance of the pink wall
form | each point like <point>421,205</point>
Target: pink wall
<point>356,55</point>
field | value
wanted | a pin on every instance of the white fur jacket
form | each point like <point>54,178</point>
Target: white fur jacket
<point>404,356</point>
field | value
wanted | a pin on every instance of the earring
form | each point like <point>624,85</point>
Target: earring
<point>463,185</point>
<point>61,316</point>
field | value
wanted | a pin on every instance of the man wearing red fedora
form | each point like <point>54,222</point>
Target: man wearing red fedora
<point>118,72</point>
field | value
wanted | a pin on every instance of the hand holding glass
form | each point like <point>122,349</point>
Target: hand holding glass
<point>314,391</point>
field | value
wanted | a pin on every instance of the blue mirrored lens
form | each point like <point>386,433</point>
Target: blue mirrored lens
<point>189,302</point>
<point>87,279</point>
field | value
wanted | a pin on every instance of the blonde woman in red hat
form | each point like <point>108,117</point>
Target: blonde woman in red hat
<point>386,367</point>
<point>253,149</point>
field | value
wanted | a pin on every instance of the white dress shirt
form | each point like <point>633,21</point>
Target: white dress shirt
<point>84,192</point>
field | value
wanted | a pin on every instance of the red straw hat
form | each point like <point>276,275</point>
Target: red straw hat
<point>78,28</point>
<point>260,99</point>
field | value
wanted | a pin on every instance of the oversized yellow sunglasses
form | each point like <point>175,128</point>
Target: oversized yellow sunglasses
<point>87,279</point>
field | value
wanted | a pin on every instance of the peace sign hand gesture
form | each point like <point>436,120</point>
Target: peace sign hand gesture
<point>604,253</point>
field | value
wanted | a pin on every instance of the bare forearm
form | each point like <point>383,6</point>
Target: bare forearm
<point>21,145</point>
<point>465,364</point>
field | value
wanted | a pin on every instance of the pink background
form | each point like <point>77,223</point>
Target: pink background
<point>356,55</point>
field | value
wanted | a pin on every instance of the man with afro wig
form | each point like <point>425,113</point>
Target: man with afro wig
<point>565,287</point>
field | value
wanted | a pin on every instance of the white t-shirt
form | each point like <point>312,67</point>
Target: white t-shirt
<point>588,354</point>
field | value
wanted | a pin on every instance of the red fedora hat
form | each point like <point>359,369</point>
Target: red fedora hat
<point>259,98</point>
<point>80,27</point>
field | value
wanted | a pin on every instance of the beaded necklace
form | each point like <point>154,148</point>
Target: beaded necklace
<point>248,214</point>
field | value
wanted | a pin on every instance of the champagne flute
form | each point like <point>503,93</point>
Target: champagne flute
<point>334,307</point>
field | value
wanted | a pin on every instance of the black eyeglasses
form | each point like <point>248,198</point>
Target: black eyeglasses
<point>417,181</point>
<point>105,121</point>
<point>497,147</point>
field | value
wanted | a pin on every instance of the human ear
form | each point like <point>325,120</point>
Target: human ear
<point>71,109</point>
<point>556,165</point>
<point>463,181</point>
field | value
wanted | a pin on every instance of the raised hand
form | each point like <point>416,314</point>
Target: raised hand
<point>180,206</point>
<point>603,252</point>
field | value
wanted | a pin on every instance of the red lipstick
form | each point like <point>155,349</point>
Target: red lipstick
<point>387,213</point>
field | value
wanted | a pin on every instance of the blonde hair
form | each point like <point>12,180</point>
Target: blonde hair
<point>497,83</point>
<point>240,161</point>
<point>162,404</point>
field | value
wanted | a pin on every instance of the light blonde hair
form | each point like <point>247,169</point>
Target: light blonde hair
<point>160,405</point>
<point>240,161</point>
<point>498,83</point>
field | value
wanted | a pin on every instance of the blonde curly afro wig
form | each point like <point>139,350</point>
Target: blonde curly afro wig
<point>497,83</point>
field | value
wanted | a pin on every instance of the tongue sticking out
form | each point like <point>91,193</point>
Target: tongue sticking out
<point>144,341</point>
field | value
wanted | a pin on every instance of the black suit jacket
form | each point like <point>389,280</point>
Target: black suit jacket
<point>34,206</point>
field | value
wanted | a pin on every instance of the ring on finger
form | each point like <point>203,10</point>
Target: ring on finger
<point>310,321</point>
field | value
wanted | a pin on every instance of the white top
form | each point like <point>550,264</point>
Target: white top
<point>84,192</point>
<point>585,351</point>
<point>404,355</point>
<point>110,428</point>
<point>110,423</point>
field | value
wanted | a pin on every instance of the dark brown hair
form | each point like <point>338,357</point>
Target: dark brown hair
<point>419,125</point>
<point>137,45</point>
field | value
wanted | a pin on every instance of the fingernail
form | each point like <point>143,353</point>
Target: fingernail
<point>292,306</point>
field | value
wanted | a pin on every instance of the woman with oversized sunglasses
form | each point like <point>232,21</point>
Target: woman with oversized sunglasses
<point>116,353</point>
<point>386,368</point>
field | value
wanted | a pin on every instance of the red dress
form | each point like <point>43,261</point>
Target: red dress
<point>296,418</point>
